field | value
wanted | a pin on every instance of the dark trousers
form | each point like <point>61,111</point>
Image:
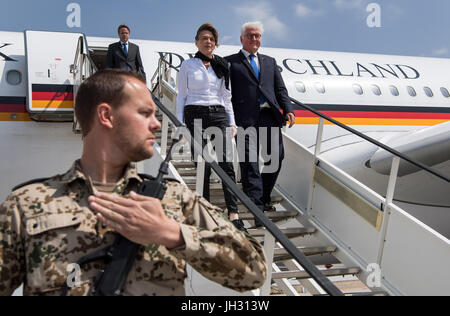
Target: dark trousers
<point>213,116</point>
<point>259,186</point>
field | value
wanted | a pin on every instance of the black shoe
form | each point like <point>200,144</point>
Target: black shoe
<point>239,225</point>
<point>269,208</point>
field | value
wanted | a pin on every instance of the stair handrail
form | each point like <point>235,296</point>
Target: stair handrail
<point>83,66</point>
<point>297,255</point>
<point>373,141</point>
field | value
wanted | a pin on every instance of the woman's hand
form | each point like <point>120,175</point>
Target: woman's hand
<point>233,131</point>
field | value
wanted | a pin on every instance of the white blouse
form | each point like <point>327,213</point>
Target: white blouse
<point>200,86</point>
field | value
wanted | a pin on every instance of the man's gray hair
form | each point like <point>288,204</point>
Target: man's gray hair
<point>248,25</point>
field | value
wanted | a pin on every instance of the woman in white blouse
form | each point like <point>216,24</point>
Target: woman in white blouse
<point>204,97</point>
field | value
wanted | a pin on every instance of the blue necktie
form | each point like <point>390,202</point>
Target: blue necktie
<point>255,68</point>
<point>254,65</point>
<point>125,50</point>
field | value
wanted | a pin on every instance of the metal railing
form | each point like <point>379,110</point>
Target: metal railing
<point>370,140</point>
<point>83,67</point>
<point>163,75</point>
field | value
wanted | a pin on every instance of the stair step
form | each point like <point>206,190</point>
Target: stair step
<point>281,254</point>
<point>275,216</point>
<point>289,232</point>
<point>192,180</point>
<point>183,164</point>
<point>304,275</point>
<point>215,188</point>
<point>374,293</point>
<point>219,200</point>
<point>185,172</point>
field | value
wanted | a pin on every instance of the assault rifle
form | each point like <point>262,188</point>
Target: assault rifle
<point>120,256</point>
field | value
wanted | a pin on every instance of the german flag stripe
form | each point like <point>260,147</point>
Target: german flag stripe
<point>375,108</point>
<point>13,109</point>
<point>13,100</point>
<point>67,96</point>
<point>372,121</point>
<point>396,115</point>
<point>375,115</point>
<point>50,96</point>
<point>63,88</point>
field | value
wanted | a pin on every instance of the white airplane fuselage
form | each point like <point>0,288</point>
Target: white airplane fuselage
<point>385,97</point>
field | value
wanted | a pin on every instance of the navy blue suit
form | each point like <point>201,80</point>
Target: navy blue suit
<point>247,90</point>
<point>116,58</point>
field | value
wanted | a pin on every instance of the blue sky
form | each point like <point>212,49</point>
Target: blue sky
<point>408,27</point>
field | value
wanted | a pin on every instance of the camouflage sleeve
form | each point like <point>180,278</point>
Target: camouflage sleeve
<point>12,257</point>
<point>216,249</point>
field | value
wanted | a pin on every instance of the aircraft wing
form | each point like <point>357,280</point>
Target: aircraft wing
<point>430,146</point>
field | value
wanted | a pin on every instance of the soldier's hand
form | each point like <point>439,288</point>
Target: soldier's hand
<point>140,219</point>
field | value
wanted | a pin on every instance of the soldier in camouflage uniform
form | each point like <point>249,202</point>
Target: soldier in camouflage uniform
<point>48,225</point>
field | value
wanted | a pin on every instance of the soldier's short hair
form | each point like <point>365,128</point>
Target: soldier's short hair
<point>105,86</point>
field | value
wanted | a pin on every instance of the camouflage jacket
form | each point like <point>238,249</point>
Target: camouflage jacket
<point>47,226</point>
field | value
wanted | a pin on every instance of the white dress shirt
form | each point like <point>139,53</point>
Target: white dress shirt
<point>247,55</point>
<point>265,105</point>
<point>200,86</point>
<point>126,44</point>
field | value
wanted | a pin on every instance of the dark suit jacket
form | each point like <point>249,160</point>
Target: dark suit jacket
<point>116,57</point>
<point>246,90</point>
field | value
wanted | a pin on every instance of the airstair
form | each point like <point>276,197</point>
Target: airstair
<point>359,241</point>
<point>330,234</point>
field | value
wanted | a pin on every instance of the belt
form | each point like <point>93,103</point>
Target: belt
<point>210,108</point>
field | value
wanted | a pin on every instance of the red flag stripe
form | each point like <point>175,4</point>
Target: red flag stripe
<point>359,114</point>
<point>53,96</point>
<point>13,108</point>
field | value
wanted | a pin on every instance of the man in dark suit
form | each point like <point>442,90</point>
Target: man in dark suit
<point>123,54</point>
<point>260,100</point>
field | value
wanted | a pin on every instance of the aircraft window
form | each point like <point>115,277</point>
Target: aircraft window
<point>14,77</point>
<point>300,87</point>
<point>320,87</point>
<point>412,92</point>
<point>428,92</point>
<point>445,92</point>
<point>376,89</point>
<point>358,89</point>
<point>394,91</point>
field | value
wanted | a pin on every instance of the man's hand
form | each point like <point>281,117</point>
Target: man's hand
<point>291,119</point>
<point>140,219</point>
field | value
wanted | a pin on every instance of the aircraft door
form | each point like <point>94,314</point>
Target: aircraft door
<point>49,55</point>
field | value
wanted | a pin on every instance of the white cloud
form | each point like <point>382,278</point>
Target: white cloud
<point>441,52</point>
<point>264,12</point>
<point>303,11</point>
<point>350,4</point>
<point>226,40</point>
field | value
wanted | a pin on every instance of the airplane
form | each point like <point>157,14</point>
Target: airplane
<point>401,101</point>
